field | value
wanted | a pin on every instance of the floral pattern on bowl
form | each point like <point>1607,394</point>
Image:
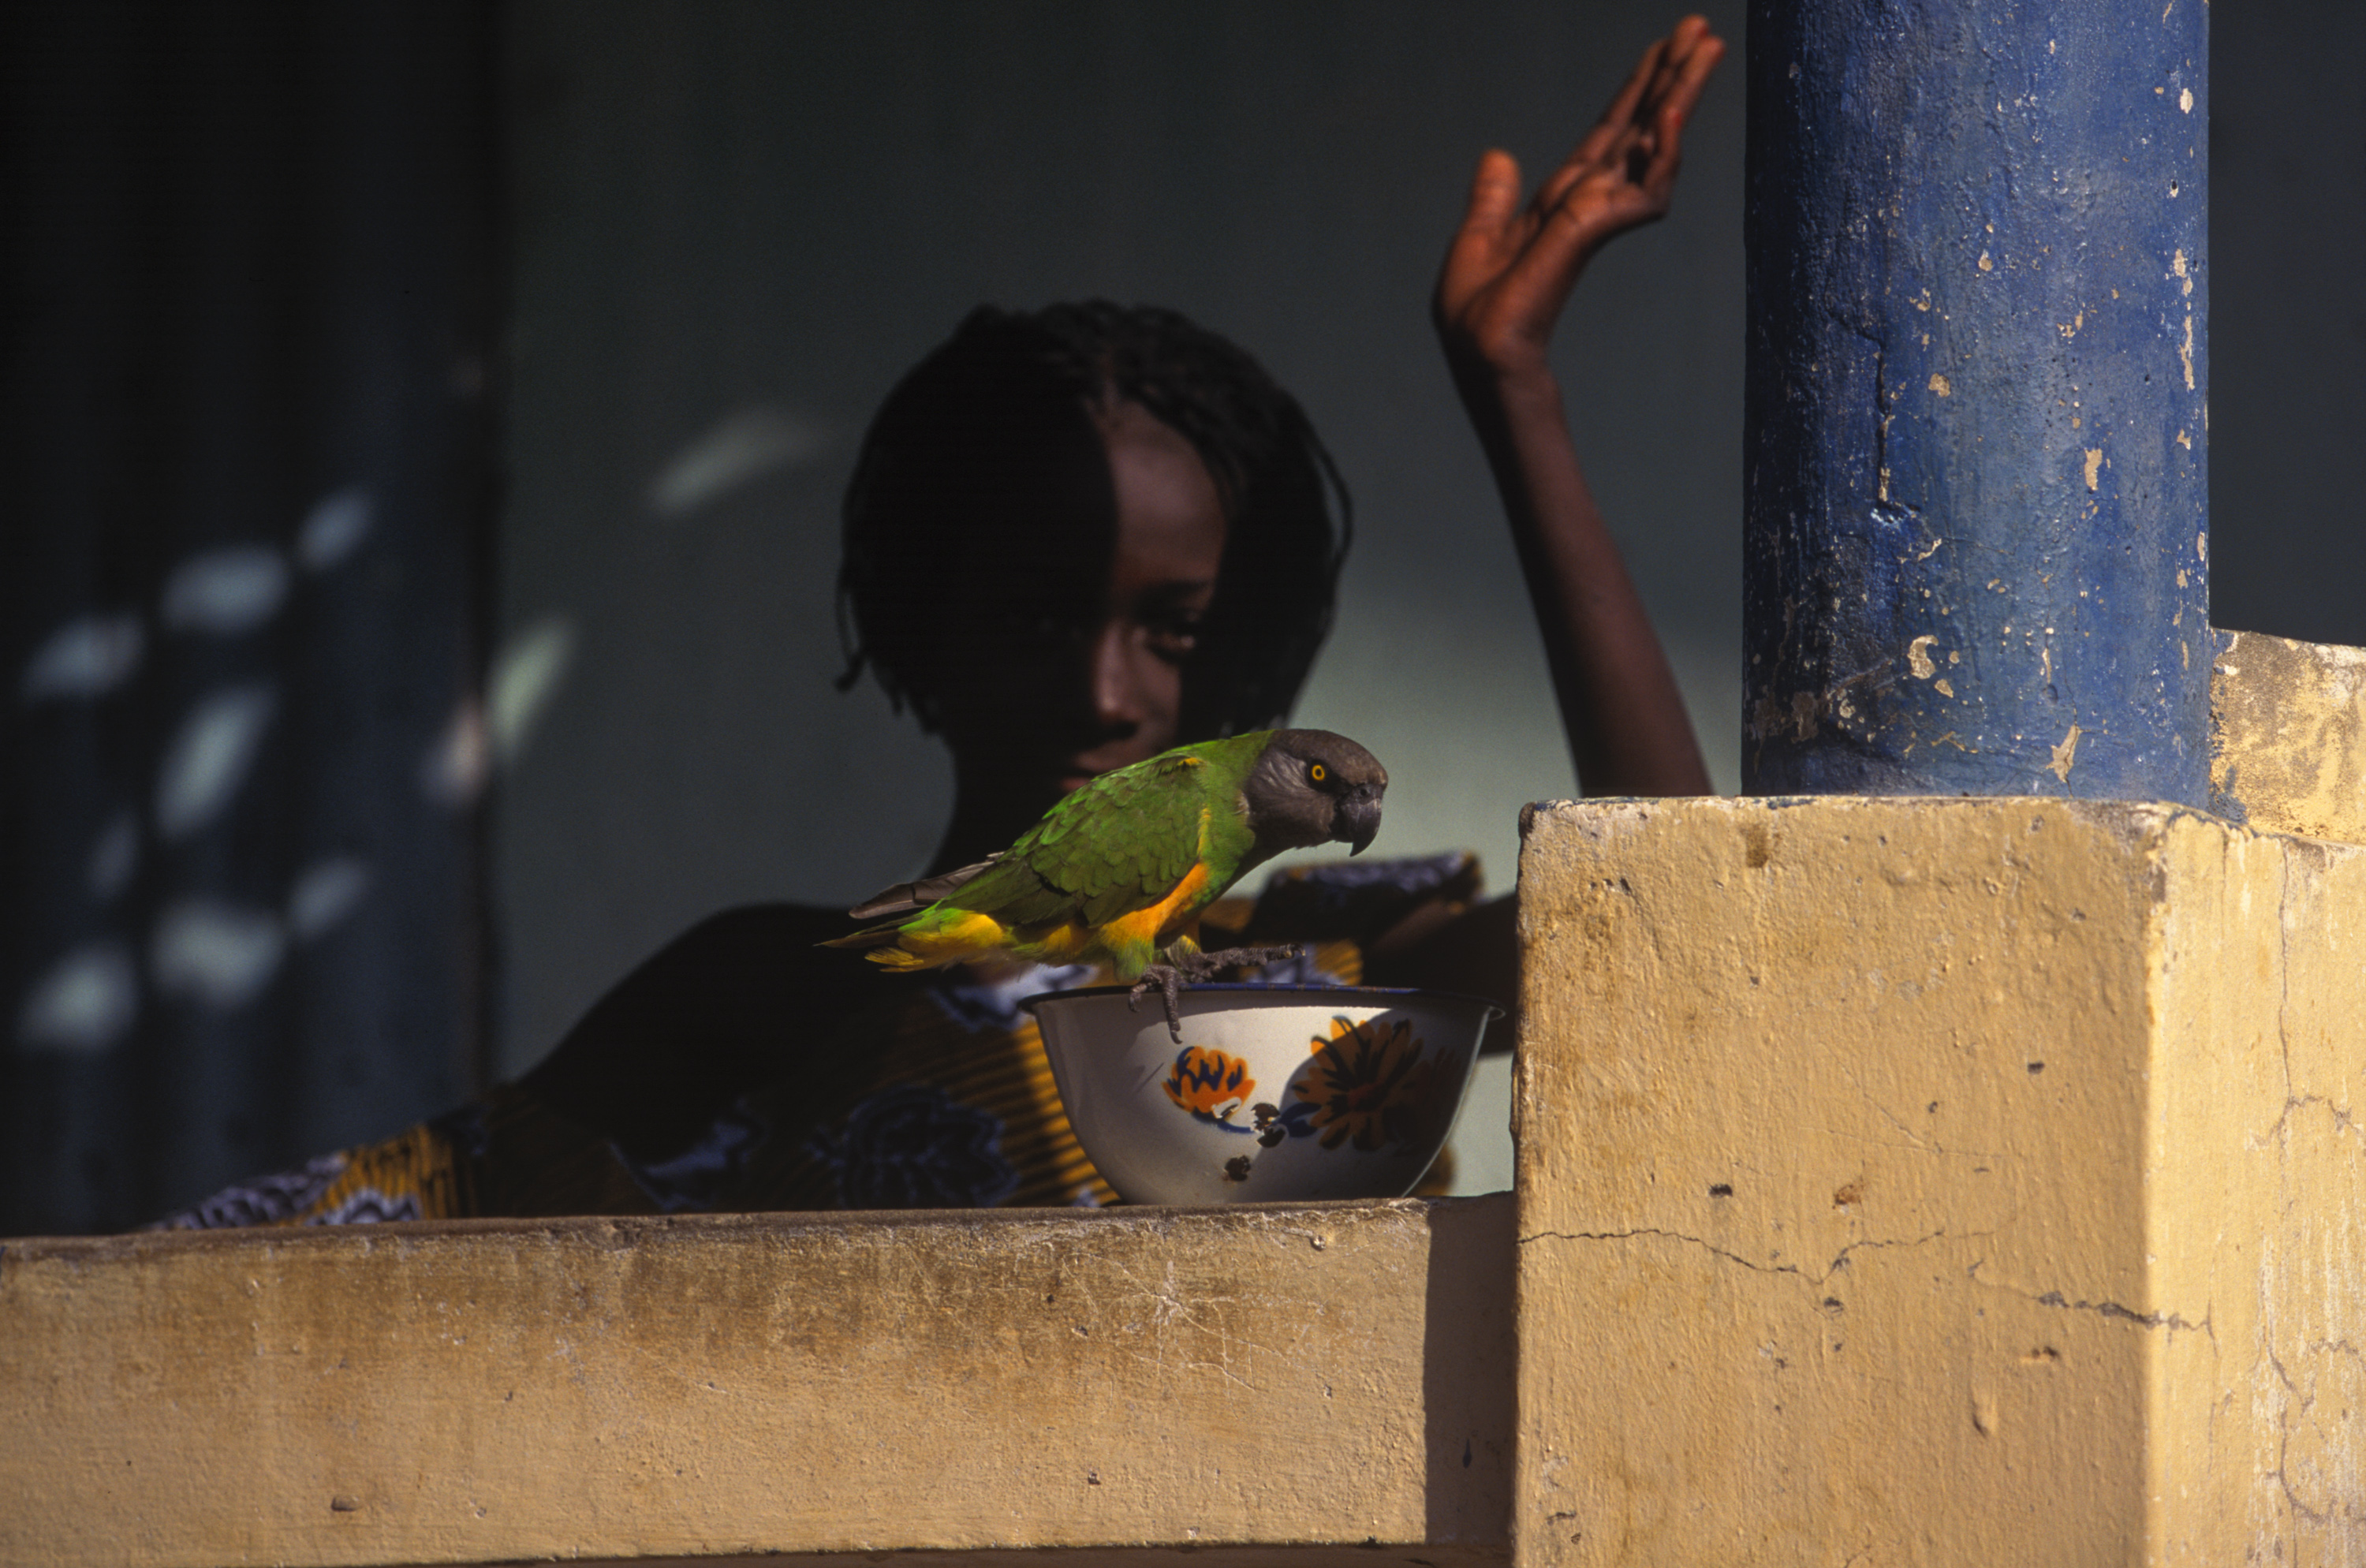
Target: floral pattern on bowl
<point>1369,1083</point>
<point>1211,1086</point>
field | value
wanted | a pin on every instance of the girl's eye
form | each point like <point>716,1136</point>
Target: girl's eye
<point>1174,637</point>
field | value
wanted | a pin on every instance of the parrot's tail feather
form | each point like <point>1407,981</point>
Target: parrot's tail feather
<point>877,936</point>
<point>908,898</point>
<point>947,937</point>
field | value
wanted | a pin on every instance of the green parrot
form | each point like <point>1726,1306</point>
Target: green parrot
<point>1115,871</point>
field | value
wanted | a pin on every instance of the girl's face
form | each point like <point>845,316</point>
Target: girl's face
<point>1101,685</point>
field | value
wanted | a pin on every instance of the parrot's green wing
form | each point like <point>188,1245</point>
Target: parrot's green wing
<point>1121,843</point>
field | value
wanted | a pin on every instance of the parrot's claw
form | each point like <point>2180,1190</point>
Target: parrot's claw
<point>1169,981</point>
<point>1192,968</point>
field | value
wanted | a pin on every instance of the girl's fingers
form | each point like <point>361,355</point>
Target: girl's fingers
<point>1592,146</point>
<point>1495,193</point>
<point>1703,59</point>
<point>1681,84</point>
<point>1670,55</point>
<point>1670,76</point>
<point>1638,81</point>
<point>1677,108</point>
<point>1621,173</point>
<point>1475,254</point>
<point>1681,59</point>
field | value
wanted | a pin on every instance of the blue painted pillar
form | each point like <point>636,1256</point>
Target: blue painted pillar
<point>1976,422</point>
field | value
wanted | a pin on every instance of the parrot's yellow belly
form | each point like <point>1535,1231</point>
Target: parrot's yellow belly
<point>1131,939</point>
<point>1155,926</point>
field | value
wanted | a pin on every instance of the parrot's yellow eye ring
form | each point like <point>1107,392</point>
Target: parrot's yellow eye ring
<point>1315,775</point>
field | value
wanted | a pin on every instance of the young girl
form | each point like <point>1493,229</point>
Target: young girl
<point>1074,539</point>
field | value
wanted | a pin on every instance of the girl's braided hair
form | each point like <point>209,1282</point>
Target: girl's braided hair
<point>981,504</point>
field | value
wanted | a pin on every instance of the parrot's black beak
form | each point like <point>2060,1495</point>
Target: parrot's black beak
<point>1358,819</point>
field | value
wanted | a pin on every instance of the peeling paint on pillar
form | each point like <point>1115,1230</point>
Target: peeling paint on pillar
<point>1976,422</point>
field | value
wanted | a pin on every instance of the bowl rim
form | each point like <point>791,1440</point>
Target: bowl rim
<point>1495,1010</point>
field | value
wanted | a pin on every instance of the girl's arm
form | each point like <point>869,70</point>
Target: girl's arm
<point>1500,294</point>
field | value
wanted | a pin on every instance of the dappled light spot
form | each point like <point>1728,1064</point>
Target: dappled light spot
<point>88,656</point>
<point>226,591</point>
<point>327,892</point>
<point>461,759</point>
<point>115,857</point>
<point>210,757</point>
<point>336,528</point>
<point>215,954</point>
<point>526,677</point>
<point>83,1005</point>
<point>480,737</point>
<point>743,446</point>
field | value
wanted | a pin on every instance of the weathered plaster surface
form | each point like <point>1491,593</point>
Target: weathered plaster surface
<point>1962,1181</point>
<point>1945,1182</point>
<point>2288,736</point>
<point>1328,1375</point>
<point>1975,414</point>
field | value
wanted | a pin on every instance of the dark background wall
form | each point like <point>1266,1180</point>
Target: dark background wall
<point>2287,320</point>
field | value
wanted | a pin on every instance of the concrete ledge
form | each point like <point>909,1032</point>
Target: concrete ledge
<point>1299,1378</point>
<point>2288,736</point>
<point>1946,1181</point>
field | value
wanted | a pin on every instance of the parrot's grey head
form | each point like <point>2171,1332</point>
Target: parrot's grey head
<point>1311,786</point>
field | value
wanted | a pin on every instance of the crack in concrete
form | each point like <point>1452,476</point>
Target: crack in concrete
<point>1933,1146</point>
<point>2342,1120</point>
<point>2167,1320</point>
<point>2171,1321</point>
<point>1840,1259</point>
<point>2299,1404</point>
<point>2283,972</point>
<point>2283,1441</point>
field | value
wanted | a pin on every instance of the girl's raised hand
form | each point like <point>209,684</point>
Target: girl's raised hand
<point>1511,268</point>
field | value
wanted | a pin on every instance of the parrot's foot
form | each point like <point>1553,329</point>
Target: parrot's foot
<point>1207,965</point>
<point>1195,968</point>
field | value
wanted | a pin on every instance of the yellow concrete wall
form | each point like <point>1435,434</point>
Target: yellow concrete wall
<point>1942,1181</point>
<point>2288,736</point>
<point>1336,1375</point>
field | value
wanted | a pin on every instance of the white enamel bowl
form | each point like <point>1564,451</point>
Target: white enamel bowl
<point>1276,1094</point>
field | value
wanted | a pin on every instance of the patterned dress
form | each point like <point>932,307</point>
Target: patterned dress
<point>743,1068</point>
